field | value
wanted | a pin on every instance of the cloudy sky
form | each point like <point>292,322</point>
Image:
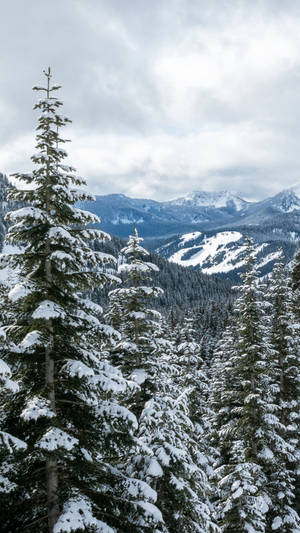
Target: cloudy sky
<point>166,96</point>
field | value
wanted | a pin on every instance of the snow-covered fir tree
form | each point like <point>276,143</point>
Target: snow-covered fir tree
<point>284,372</point>
<point>10,446</point>
<point>128,310</point>
<point>193,377</point>
<point>295,285</point>
<point>194,374</point>
<point>170,458</point>
<point>248,430</point>
<point>167,454</point>
<point>221,397</point>
<point>67,407</point>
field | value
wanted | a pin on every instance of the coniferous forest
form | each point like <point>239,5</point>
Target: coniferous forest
<point>125,408</point>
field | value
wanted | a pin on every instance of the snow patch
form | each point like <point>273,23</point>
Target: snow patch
<point>210,246</point>
<point>12,443</point>
<point>139,375</point>
<point>19,291</point>
<point>189,237</point>
<point>33,338</point>
<point>78,369</point>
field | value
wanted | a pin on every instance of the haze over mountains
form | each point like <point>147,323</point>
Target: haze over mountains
<point>207,230</point>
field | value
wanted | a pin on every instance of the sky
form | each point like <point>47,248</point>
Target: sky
<point>166,96</point>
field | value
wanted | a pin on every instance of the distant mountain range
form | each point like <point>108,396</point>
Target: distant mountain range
<point>207,230</point>
<point>118,212</point>
<point>202,230</point>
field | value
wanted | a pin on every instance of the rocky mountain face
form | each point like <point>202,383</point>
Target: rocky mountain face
<point>205,230</point>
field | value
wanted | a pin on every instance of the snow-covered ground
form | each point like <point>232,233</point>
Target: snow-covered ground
<point>187,237</point>
<point>220,253</point>
<point>210,246</point>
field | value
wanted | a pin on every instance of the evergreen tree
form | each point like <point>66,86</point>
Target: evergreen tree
<point>9,444</point>
<point>247,431</point>
<point>295,284</point>
<point>172,461</point>
<point>128,310</point>
<point>284,374</point>
<point>167,453</point>
<point>67,409</point>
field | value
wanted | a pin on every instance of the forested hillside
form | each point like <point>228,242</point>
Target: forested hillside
<point>184,289</point>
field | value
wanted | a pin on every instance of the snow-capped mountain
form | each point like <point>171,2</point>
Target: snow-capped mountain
<point>118,212</point>
<point>217,200</point>
<point>207,230</point>
<point>286,201</point>
<point>208,209</point>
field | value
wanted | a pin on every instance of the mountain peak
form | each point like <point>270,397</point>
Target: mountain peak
<point>287,200</point>
<point>210,199</point>
<point>295,189</point>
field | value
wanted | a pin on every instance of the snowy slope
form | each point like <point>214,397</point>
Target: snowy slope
<point>206,252</point>
<point>207,230</point>
<point>222,252</point>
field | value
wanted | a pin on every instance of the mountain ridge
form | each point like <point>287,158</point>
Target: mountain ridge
<point>202,230</point>
<point>209,209</point>
<point>199,230</point>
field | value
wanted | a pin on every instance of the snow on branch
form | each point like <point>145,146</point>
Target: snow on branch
<point>47,310</point>
<point>36,408</point>
<point>77,368</point>
<point>77,515</point>
<point>28,212</point>
<point>56,438</point>
<point>19,291</point>
<point>12,443</point>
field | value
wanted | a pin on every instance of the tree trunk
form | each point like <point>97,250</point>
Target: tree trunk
<point>51,464</point>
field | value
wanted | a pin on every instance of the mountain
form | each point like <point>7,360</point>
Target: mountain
<point>217,200</point>
<point>118,212</point>
<point>202,230</point>
<point>224,252</point>
<point>199,208</point>
<point>207,230</point>
<point>183,288</point>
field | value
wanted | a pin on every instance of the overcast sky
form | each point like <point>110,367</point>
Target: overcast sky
<point>166,96</point>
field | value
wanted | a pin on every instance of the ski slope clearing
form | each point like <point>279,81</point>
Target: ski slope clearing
<point>218,254</point>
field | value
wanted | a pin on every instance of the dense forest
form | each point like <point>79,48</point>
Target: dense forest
<point>136,396</point>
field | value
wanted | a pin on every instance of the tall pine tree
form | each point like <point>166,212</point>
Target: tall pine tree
<point>284,373</point>
<point>295,284</point>
<point>67,409</point>
<point>128,310</point>
<point>247,429</point>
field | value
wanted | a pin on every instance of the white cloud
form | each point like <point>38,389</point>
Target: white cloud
<point>227,63</point>
<point>166,96</point>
